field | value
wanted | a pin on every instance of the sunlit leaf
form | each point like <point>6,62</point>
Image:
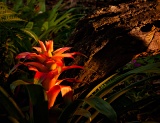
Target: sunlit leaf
<point>52,95</point>
<point>29,25</point>
<point>67,93</point>
<point>82,112</point>
<point>31,34</point>
<point>44,26</point>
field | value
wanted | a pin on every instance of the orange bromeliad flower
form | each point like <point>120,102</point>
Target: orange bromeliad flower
<point>48,65</point>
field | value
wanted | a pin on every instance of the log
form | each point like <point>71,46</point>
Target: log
<point>112,36</point>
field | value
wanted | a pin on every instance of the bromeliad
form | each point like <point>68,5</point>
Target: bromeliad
<point>48,65</point>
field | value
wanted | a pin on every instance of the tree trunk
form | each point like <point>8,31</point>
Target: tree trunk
<point>111,36</point>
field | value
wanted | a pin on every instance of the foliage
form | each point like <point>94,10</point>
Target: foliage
<point>103,101</point>
<point>128,91</point>
<point>132,90</point>
<point>24,23</point>
<point>13,38</point>
<point>112,97</point>
<point>27,114</point>
<point>57,23</point>
<point>48,65</point>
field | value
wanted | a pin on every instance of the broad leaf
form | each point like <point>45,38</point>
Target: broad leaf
<point>83,112</point>
<point>38,103</point>
<point>69,111</point>
<point>10,105</point>
<point>103,107</point>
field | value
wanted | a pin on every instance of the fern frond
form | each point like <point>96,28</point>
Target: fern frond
<point>7,15</point>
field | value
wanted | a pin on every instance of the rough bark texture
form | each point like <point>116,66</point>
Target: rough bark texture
<point>111,36</point>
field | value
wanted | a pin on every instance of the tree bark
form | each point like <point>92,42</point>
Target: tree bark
<point>111,36</point>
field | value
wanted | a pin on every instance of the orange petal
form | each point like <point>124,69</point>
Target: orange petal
<point>39,50</point>
<point>68,80</point>
<point>43,47</point>
<point>52,95</point>
<point>49,47</point>
<point>67,93</point>
<point>51,64</point>
<point>72,67</point>
<point>26,55</point>
<point>61,50</point>
<point>41,58</point>
<point>35,65</point>
<point>39,77</point>
<point>50,80</point>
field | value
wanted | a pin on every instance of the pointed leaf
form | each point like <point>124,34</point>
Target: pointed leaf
<point>126,89</point>
<point>42,46</point>
<point>69,111</point>
<point>52,95</point>
<point>35,66</point>
<point>99,85</point>
<point>44,26</point>
<point>103,107</point>
<point>82,112</point>
<point>29,25</point>
<point>38,103</point>
<point>10,105</point>
<point>143,69</point>
<point>16,83</point>
<point>67,93</point>
<point>31,34</point>
<point>54,10</point>
<point>61,50</point>
<point>15,67</point>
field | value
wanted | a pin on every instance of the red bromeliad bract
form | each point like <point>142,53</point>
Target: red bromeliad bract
<point>48,65</point>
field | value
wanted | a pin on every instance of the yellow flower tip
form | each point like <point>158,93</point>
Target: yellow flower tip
<point>49,47</point>
<point>42,46</point>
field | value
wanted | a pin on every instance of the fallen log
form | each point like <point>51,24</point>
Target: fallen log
<point>111,36</point>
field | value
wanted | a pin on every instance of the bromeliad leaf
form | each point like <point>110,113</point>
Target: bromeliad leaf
<point>103,107</point>
<point>17,83</point>
<point>11,106</point>
<point>48,65</point>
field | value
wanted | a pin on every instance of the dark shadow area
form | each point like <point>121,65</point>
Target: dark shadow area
<point>119,50</point>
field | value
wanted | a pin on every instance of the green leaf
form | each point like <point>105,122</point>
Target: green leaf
<point>128,88</point>
<point>31,34</point>
<point>44,26</point>
<point>150,68</point>
<point>64,16</point>
<point>16,83</point>
<point>7,15</point>
<point>69,111</point>
<point>38,103</point>
<point>10,105</point>
<point>29,25</point>
<point>17,4</point>
<point>42,5</point>
<point>82,112</point>
<point>54,10</point>
<point>99,85</point>
<point>103,107</point>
